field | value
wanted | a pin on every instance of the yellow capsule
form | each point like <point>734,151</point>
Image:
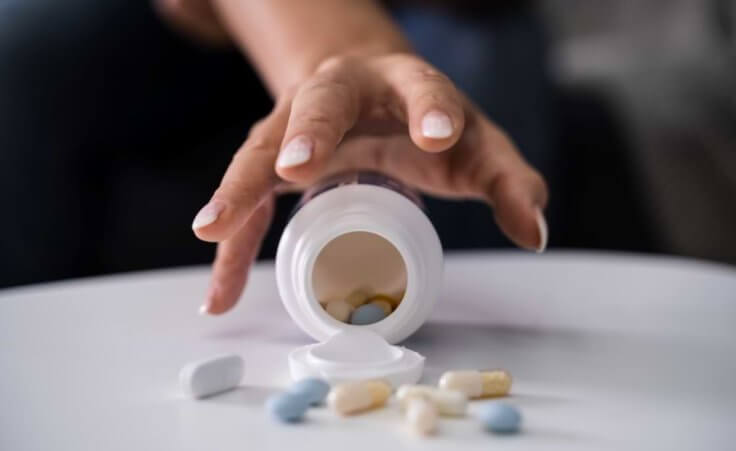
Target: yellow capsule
<point>354,397</point>
<point>478,384</point>
<point>421,415</point>
<point>385,305</point>
<point>448,402</point>
<point>384,297</point>
<point>340,310</point>
<point>358,297</point>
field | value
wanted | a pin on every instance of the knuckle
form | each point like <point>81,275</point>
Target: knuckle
<point>336,63</point>
<point>428,74</point>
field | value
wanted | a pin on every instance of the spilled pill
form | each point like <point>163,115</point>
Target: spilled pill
<point>287,407</point>
<point>340,310</point>
<point>421,415</point>
<point>367,314</point>
<point>313,389</point>
<point>500,417</point>
<point>211,376</point>
<point>448,402</point>
<point>477,384</point>
<point>354,397</point>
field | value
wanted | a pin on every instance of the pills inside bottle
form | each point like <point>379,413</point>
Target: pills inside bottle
<point>359,253</point>
<point>359,278</point>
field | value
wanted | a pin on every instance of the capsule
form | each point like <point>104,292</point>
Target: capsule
<point>421,415</point>
<point>340,310</point>
<point>477,384</point>
<point>358,297</point>
<point>354,397</point>
<point>448,402</point>
<point>384,297</point>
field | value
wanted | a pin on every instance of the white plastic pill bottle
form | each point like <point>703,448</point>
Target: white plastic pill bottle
<point>358,230</point>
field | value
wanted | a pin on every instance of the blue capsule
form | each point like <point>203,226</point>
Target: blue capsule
<point>313,389</point>
<point>367,314</point>
<point>287,407</point>
<point>500,417</point>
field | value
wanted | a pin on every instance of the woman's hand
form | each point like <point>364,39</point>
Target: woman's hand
<point>395,114</point>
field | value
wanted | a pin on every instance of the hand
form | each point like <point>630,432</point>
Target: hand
<point>353,113</point>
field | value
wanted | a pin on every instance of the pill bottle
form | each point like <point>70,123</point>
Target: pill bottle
<point>352,230</point>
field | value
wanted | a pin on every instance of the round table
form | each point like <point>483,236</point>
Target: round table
<point>608,351</point>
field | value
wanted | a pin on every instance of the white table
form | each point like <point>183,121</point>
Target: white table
<point>608,351</point>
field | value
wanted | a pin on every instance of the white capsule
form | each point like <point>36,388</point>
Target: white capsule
<point>211,376</point>
<point>421,415</point>
<point>448,402</point>
<point>354,397</point>
<point>340,310</point>
<point>477,384</point>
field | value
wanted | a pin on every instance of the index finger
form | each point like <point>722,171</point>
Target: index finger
<point>248,181</point>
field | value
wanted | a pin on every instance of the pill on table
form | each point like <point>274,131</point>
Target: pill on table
<point>421,415</point>
<point>354,397</point>
<point>287,407</point>
<point>500,417</point>
<point>358,297</point>
<point>384,305</point>
<point>314,389</point>
<point>477,384</point>
<point>211,376</point>
<point>448,402</point>
<point>367,314</point>
<point>340,310</point>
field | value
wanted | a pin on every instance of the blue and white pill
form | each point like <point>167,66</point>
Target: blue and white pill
<point>367,314</point>
<point>287,407</point>
<point>315,390</point>
<point>500,417</point>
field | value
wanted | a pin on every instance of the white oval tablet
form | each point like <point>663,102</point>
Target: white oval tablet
<point>211,376</point>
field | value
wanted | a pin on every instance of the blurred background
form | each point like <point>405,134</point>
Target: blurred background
<point>115,129</point>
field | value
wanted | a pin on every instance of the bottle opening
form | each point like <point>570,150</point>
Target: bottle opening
<point>359,278</point>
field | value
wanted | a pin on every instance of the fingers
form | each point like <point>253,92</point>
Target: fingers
<point>234,257</point>
<point>322,111</point>
<point>516,191</point>
<point>195,17</point>
<point>248,181</point>
<point>431,103</point>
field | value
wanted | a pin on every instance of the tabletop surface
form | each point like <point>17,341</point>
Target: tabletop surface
<point>607,351</point>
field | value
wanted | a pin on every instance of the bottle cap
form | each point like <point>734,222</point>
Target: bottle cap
<point>355,354</point>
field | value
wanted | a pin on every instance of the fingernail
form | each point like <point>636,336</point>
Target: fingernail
<point>208,214</point>
<point>209,300</point>
<point>298,151</point>
<point>543,232</point>
<point>436,125</point>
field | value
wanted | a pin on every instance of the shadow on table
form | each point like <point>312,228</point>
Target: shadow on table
<point>243,396</point>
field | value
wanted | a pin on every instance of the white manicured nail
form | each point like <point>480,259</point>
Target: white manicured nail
<point>436,125</point>
<point>298,151</point>
<point>543,232</point>
<point>207,215</point>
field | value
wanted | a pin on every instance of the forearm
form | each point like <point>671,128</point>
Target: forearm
<point>287,39</point>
